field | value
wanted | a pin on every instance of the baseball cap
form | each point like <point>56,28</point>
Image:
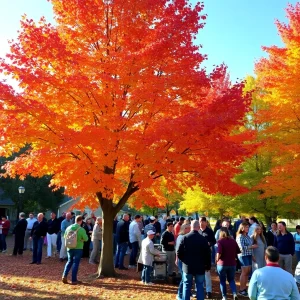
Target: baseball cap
<point>150,232</point>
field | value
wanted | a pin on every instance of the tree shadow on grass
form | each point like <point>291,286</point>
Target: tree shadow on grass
<point>30,293</point>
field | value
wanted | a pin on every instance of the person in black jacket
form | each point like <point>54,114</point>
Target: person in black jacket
<point>53,229</point>
<point>19,232</point>
<point>38,232</point>
<point>88,226</point>
<point>122,233</point>
<point>194,252</point>
<point>271,234</point>
<point>206,232</point>
<point>168,243</point>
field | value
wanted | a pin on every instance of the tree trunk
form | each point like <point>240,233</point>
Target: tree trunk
<point>109,211</point>
<point>106,266</point>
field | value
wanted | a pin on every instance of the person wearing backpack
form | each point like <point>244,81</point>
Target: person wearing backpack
<point>74,237</point>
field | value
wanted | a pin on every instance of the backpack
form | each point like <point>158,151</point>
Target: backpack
<point>71,238</point>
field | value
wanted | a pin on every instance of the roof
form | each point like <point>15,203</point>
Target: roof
<point>67,202</point>
<point>6,202</point>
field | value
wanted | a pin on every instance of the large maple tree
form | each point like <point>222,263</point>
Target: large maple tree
<point>279,76</point>
<point>113,102</point>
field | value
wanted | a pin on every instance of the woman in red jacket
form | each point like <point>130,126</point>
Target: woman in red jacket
<point>5,228</point>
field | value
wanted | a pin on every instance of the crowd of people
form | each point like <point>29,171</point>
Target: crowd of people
<point>191,248</point>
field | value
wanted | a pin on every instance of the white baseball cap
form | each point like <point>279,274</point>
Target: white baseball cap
<point>150,232</point>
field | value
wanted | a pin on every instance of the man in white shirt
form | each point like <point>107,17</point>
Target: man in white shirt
<point>272,282</point>
<point>30,221</point>
<point>135,239</point>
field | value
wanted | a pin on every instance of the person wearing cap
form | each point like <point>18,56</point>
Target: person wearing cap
<point>147,257</point>
<point>168,243</point>
<point>150,226</point>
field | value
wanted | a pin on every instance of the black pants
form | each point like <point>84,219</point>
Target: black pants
<point>86,248</point>
<point>19,244</point>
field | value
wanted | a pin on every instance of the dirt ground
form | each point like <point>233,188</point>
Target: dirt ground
<point>20,280</point>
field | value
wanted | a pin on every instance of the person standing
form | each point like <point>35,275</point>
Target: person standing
<point>5,229</point>
<point>64,225</point>
<point>19,232</point>
<point>38,233</point>
<point>74,254</point>
<point>246,256</point>
<point>135,239</point>
<point>271,282</point>
<point>30,221</point>
<point>185,229</point>
<point>259,252</point>
<point>88,226</point>
<point>168,243</point>
<point>150,226</point>
<point>58,240</point>
<point>194,252</point>
<point>271,234</point>
<point>286,246</point>
<point>122,242</point>
<point>116,221</point>
<point>297,242</point>
<point>53,229</point>
<point>206,232</point>
<point>253,224</point>
<point>147,257</point>
<point>178,226</point>
<point>157,230</point>
<point>227,252</point>
<point>162,222</point>
<point>97,240</point>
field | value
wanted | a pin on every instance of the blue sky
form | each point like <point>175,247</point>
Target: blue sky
<point>234,33</point>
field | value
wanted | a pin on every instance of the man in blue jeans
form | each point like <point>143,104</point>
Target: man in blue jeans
<point>75,254</point>
<point>37,235</point>
<point>122,241</point>
<point>194,252</point>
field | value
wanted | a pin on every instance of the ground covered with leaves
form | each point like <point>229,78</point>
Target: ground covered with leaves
<point>20,280</point>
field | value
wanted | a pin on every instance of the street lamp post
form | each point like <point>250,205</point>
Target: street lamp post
<point>20,204</point>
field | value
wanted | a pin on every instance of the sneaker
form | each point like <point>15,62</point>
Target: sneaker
<point>194,295</point>
<point>208,295</point>
<point>149,283</point>
<point>48,257</point>
<point>224,298</point>
<point>235,297</point>
<point>243,293</point>
<point>64,280</point>
<point>4,251</point>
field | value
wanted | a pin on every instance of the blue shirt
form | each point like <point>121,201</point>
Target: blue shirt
<point>272,283</point>
<point>297,238</point>
<point>64,225</point>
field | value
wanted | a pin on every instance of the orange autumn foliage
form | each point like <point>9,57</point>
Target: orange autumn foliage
<point>279,76</point>
<point>113,102</point>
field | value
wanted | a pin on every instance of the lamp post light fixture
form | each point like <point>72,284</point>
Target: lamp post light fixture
<point>21,192</point>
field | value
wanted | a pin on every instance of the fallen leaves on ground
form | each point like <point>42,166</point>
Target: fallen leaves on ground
<point>20,280</point>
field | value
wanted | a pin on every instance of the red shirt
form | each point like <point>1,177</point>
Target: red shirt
<point>5,227</point>
<point>229,249</point>
<point>177,230</point>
